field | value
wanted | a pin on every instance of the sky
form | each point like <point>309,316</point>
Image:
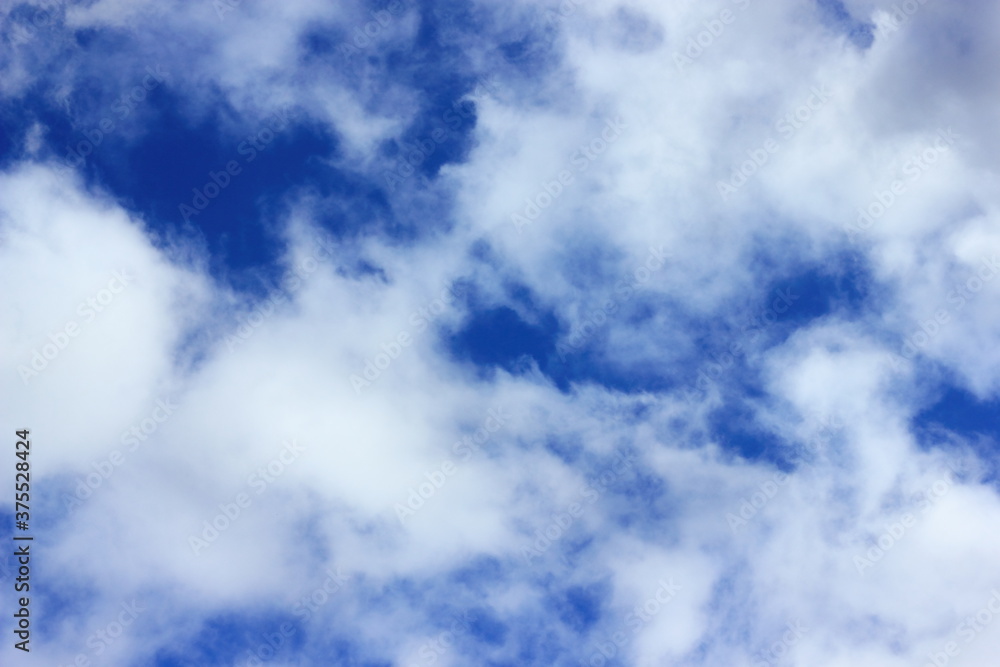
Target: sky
<point>424,332</point>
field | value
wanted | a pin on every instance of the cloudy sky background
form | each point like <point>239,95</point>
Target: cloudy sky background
<point>470,313</point>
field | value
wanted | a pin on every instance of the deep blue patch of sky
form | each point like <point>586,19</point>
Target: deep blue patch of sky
<point>956,410</point>
<point>498,337</point>
<point>233,638</point>
<point>734,428</point>
<point>580,607</point>
<point>836,15</point>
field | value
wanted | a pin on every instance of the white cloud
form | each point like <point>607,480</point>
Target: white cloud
<point>655,184</point>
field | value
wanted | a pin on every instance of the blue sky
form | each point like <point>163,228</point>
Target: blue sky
<point>530,333</point>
